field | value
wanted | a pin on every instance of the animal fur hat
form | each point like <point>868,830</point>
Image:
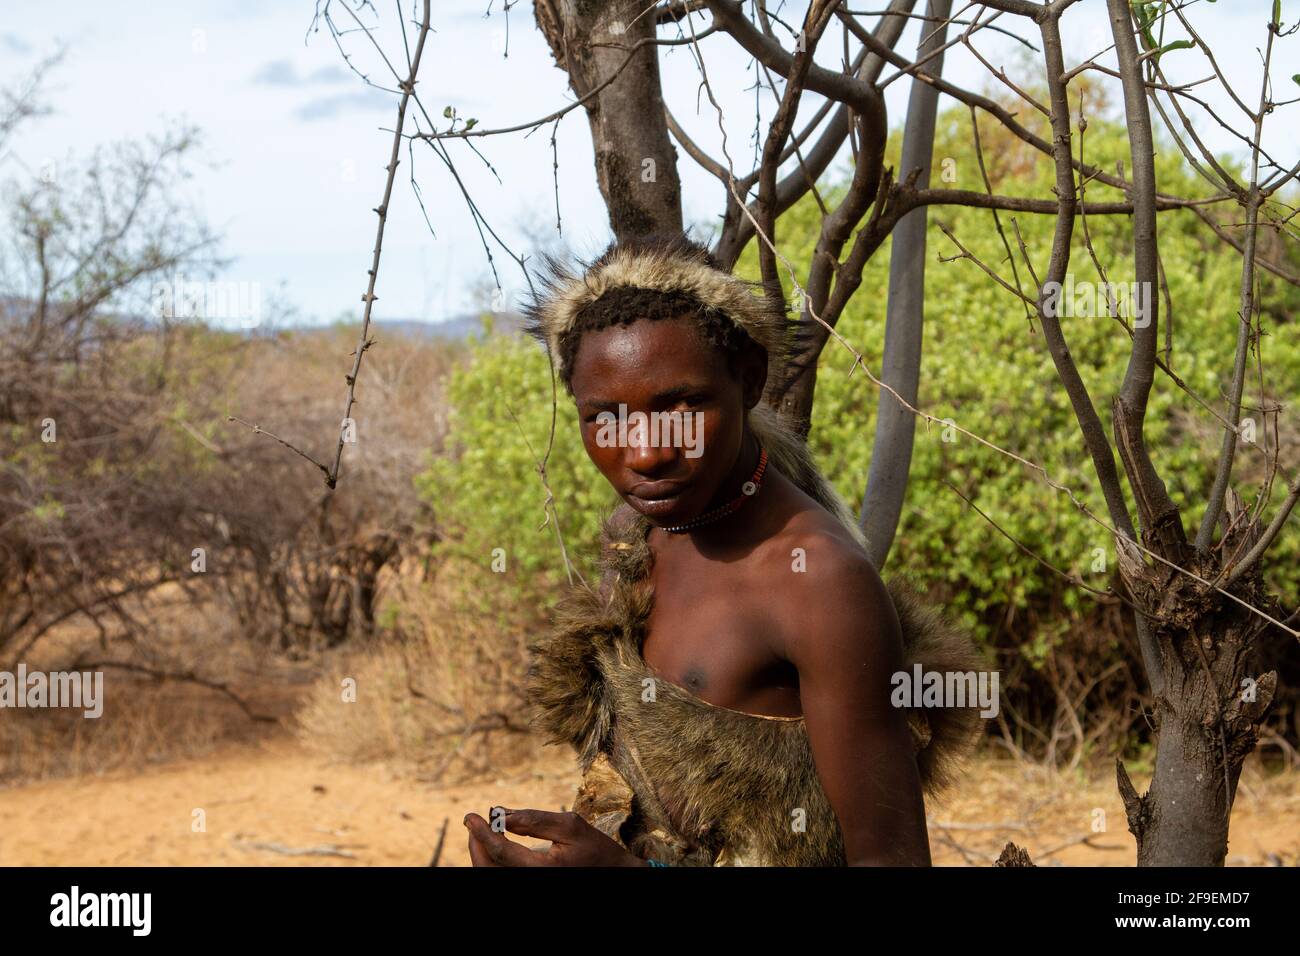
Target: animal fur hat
<point>668,264</point>
<point>675,264</point>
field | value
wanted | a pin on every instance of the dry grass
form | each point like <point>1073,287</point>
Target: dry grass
<point>269,537</point>
<point>149,722</point>
<point>148,718</point>
<point>441,693</point>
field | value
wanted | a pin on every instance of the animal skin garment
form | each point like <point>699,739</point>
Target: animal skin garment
<point>676,779</point>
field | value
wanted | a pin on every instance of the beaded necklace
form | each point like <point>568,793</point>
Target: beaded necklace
<point>747,491</point>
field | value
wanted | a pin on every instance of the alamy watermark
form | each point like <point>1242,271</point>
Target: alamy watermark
<point>1131,300</point>
<point>922,688</point>
<point>653,430</point>
<point>181,298</point>
<point>79,690</point>
<point>75,908</point>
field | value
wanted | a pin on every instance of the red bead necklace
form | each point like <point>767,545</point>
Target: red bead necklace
<point>747,491</point>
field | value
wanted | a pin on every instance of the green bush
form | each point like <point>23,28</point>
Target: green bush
<point>984,367</point>
<point>487,493</point>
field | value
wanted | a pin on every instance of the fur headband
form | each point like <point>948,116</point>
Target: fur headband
<point>672,265</point>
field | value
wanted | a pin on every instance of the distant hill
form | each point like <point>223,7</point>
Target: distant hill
<point>455,329</point>
<point>458,328</point>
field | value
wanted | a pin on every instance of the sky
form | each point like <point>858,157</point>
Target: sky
<point>294,142</point>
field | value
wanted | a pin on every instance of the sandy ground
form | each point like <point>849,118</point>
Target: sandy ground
<point>275,804</point>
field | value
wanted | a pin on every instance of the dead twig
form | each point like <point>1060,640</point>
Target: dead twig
<point>325,849</point>
<point>442,836</point>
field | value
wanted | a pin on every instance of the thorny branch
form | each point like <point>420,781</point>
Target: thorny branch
<point>369,298</point>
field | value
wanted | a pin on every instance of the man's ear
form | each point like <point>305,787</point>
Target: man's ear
<point>753,374</point>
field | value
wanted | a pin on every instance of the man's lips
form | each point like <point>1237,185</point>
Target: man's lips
<point>657,490</point>
<point>657,499</point>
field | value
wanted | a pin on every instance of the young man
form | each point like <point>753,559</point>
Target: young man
<point>728,689</point>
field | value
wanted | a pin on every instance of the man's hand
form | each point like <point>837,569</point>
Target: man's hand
<point>574,841</point>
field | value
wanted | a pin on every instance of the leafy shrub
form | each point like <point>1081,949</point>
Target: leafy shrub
<point>486,492</point>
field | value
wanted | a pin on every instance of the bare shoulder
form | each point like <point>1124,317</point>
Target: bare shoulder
<point>831,597</point>
<point>821,551</point>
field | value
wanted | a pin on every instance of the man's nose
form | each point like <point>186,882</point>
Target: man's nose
<point>649,454</point>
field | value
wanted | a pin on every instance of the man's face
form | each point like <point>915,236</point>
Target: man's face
<point>662,415</point>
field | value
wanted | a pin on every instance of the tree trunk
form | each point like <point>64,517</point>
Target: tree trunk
<point>1207,716</point>
<point>636,163</point>
<point>891,454</point>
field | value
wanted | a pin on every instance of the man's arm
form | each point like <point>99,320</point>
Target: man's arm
<point>846,642</point>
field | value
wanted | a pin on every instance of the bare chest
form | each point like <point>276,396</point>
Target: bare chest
<point>708,633</point>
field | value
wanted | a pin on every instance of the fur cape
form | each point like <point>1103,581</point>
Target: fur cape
<point>736,782</point>
<point>666,774</point>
